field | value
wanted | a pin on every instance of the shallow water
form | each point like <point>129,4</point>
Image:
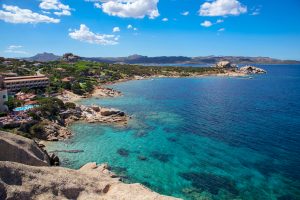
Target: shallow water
<point>197,138</point>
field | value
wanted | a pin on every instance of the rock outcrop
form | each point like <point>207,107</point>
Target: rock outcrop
<point>19,149</point>
<point>225,65</point>
<point>19,181</point>
<point>252,70</point>
<point>25,174</point>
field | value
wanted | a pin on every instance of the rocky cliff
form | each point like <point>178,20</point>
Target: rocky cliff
<point>20,180</point>
<point>23,150</point>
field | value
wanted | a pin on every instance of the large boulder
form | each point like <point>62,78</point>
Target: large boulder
<point>252,70</point>
<point>108,112</point>
<point>18,181</point>
<point>224,65</point>
<point>20,149</point>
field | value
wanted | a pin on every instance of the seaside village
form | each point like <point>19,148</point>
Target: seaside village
<point>30,108</point>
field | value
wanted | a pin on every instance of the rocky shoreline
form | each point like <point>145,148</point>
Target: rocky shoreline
<point>27,172</point>
<point>96,114</point>
<point>58,130</point>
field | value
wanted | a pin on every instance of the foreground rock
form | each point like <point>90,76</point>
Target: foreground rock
<point>19,149</point>
<point>25,174</point>
<point>90,182</point>
<point>252,70</point>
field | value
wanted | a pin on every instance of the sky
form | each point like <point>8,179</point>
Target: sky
<point>102,28</point>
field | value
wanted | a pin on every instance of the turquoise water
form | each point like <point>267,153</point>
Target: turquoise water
<point>23,108</point>
<point>201,138</point>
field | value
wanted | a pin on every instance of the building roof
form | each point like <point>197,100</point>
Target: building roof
<point>28,79</point>
<point>23,77</point>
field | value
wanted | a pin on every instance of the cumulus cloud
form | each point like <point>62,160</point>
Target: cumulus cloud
<point>206,23</point>
<point>116,29</point>
<point>85,35</point>
<point>15,49</point>
<point>62,9</point>
<point>221,29</point>
<point>165,19</point>
<point>135,29</point>
<point>16,15</point>
<point>129,8</point>
<point>222,8</point>
<point>186,13</point>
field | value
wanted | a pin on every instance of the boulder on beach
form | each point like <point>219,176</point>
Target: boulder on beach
<point>16,148</point>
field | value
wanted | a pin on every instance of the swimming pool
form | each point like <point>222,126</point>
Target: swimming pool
<point>24,108</point>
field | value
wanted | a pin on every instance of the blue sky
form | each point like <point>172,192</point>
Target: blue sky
<point>151,27</point>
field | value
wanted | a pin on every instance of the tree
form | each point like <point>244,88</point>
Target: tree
<point>12,103</point>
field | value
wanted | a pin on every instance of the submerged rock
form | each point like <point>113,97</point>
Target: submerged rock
<point>210,182</point>
<point>162,157</point>
<point>143,158</point>
<point>123,152</point>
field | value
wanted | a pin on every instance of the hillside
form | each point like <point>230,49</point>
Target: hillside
<point>139,59</point>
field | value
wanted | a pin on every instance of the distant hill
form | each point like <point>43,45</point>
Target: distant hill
<point>139,59</point>
<point>43,57</point>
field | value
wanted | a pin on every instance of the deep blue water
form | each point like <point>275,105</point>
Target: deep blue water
<point>202,138</point>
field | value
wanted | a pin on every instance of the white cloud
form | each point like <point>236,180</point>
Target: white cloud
<point>85,35</point>
<point>131,27</point>
<point>186,13</point>
<point>97,5</point>
<point>221,29</point>
<point>219,21</point>
<point>222,8</point>
<point>62,9</point>
<point>15,49</point>
<point>130,8</point>
<point>16,15</point>
<point>206,23</point>
<point>116,29</point>
<point>165,19</point>
<point>63,12</point>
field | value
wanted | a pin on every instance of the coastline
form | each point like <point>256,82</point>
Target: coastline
<point>105,92</point>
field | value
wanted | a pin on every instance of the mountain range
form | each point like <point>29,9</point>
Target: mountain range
<point>139,59</point>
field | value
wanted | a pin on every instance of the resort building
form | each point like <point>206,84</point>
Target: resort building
<point>14,84</point>
<point>3,99</point>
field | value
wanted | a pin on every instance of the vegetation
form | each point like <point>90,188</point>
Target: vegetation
<point>80,76</point>
<point>13,103</point>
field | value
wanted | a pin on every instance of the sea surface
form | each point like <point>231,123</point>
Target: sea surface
<point>201,138</point>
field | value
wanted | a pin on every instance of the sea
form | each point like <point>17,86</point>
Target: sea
<point>200,138</point>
